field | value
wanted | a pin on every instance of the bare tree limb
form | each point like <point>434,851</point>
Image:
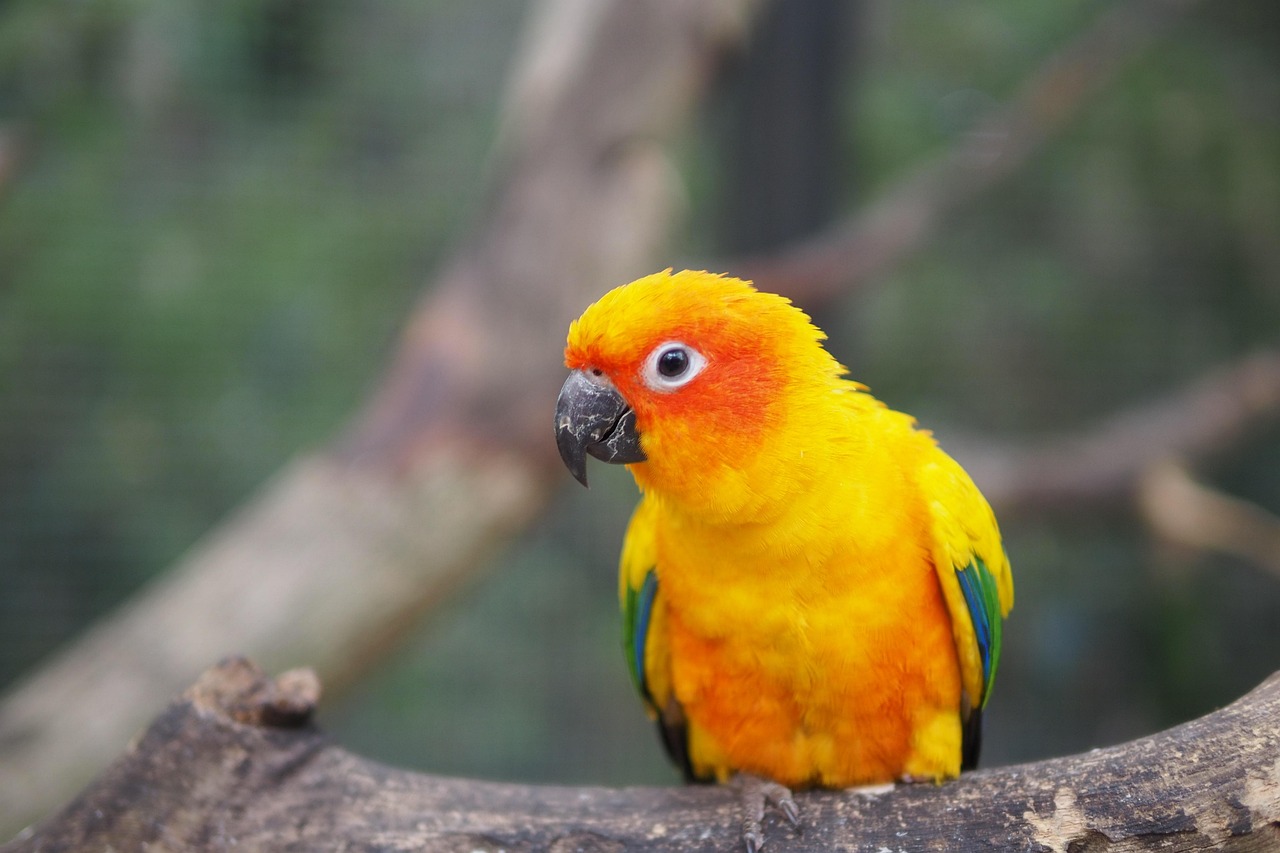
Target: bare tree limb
<point>856,250</point>
<point>1192,515</point>
<point>1103,464</point>
<point>234,764</point>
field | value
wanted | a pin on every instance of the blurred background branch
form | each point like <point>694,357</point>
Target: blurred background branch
<point>1194,516</point>
<point>857,250</point>
<point>220,212</point>
<point>1109,463</point>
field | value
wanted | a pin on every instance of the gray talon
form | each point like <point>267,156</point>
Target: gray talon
<point>756,794</point>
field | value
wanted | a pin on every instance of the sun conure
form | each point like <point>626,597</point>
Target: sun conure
<point>812,590</point>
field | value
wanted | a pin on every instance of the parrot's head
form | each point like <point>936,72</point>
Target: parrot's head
<point>693,374</point>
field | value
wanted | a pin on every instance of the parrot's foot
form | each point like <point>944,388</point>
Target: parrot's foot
<point>756,794</point>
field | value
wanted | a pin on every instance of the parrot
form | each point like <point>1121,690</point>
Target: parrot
<point>812,590</point>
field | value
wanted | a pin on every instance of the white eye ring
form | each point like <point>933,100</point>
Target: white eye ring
<point>672,365</point>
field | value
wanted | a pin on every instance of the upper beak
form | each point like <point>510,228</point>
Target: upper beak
<point>592,417</point>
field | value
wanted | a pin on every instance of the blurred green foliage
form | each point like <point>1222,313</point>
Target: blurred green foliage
<point>218,215</point>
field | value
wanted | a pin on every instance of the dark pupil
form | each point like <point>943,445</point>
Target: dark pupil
<point>673,362</point>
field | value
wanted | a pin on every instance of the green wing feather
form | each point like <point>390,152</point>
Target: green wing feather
<point>644,639</point>
<point>638,595</point>
<point>637,610</point>
<point>973,572</point>
<point>982,597</point>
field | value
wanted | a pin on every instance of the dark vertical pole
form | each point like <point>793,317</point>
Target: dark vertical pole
<point>781,126</point>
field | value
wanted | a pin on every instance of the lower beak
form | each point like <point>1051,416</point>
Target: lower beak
<point>592,418</point>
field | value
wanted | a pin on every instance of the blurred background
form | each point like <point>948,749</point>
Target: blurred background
<point>214,219</point>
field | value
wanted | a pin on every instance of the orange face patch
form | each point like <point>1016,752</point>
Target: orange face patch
<point>745,336</point>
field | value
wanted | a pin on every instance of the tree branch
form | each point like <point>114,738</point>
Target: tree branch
<point>1103,464</point>
<point>235,764</point>
<point>854,251</point>
<point>1192,515</point>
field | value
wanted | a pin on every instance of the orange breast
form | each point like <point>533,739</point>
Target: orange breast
<point>814,673</point>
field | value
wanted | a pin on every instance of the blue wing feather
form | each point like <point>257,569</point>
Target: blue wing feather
<point>639,610</point>
<point>982,597</point>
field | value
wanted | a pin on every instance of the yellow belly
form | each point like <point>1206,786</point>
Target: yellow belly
<point>847,676</point>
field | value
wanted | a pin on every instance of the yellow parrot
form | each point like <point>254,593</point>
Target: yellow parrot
<point>812,590</point>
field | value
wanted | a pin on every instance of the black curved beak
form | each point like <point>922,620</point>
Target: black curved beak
<point>592,418</point>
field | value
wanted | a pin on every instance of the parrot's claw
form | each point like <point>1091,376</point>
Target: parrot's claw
<point>756,794</point>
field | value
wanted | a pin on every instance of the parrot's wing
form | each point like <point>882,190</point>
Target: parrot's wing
<point>976,583</point>
<point>643,634</point>
<point>638,592</point>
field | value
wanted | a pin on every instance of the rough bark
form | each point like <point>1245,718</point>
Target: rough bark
<point>236,764</point>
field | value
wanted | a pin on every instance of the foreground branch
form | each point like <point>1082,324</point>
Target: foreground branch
<point>235,764</point>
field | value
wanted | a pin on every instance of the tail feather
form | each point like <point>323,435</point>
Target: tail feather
<point>971,740</point>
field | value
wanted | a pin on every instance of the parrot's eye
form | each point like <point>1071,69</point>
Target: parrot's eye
<point>673,362</point>
<point>671,365</point>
